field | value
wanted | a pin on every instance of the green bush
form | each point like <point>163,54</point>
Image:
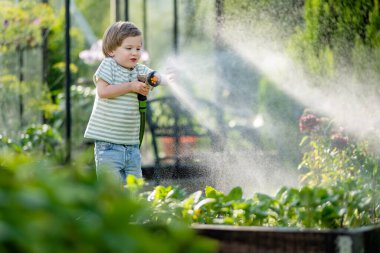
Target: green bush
<point>49,208</point>
<point>22,23</point>
<point>36,140</point>
<point>82,100</point>
<point>306,207</point>
<point>333,159</point>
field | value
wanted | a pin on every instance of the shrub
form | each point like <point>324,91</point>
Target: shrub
<point>49,208</point>
<point>333,159</point>
<point>36,140</point>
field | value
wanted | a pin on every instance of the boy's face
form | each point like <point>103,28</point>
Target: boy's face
<point>129,52</point>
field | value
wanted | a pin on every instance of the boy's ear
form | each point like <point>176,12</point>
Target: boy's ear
<point>111,53</point>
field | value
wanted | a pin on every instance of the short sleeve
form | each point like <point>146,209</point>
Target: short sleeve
<point>104,71</point>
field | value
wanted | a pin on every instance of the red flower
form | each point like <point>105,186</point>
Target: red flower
<point>339,141</point>
<point>308,123</point>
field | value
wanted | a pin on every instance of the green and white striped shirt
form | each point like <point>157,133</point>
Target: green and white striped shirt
<point>116,120</point>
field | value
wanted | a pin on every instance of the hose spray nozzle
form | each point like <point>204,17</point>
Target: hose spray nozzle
<point>152,78</point>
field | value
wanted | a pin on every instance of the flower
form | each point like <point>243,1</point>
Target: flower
<point>338,141</point>
<point>36,21</point>
<point>309,123</point>
<point>92,55</point>
<point>5,23</point>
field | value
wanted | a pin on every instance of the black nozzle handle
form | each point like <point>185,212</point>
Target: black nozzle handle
<point>141,97</point>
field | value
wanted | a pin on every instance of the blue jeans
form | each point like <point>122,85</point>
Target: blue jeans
<point>117,161</point>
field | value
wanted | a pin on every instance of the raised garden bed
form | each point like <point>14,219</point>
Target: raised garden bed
<point>283,240</point>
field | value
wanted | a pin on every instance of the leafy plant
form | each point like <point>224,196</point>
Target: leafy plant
<point>339,33</point>
<point>49,208</point>
<point>82,100</point>
<point>35,139</point>
<point>307,207</point>
<point>22,23</point>
<point>333,159</point>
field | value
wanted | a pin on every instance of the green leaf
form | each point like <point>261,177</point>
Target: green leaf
<point>228,220</point>
<point>304,139</point>
<point>235,194</point>
<point>193,198</point>
<point>131,180</point>
<point>210,192</point>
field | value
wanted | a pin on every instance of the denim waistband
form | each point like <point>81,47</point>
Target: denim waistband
<point>111,143</point>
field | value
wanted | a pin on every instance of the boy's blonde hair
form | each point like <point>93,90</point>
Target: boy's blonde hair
<point>116,33</point>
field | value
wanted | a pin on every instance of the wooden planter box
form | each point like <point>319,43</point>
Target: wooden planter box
<point>282,240</point>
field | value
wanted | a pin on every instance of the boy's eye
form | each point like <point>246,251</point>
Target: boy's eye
<point>129,48</point>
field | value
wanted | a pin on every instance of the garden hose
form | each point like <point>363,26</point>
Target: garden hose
<point>152,79</point>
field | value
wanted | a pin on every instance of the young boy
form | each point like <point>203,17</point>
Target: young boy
<point>115,119</point>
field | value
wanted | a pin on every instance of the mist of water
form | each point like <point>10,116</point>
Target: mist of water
<point>341,98</point>
<point>236,165</point>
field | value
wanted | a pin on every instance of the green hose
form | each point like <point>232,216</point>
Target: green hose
<point>142,108</point>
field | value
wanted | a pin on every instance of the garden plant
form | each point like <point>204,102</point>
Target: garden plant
<point>46,207</point>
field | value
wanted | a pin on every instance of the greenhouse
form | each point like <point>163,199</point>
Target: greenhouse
<point>190,126</point>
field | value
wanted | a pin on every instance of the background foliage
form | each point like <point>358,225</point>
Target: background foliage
<point>50,208</point>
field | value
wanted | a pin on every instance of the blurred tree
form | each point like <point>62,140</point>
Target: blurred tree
<point>56,54</point>
<point>339,34</point>
<point>267,16</point>
<point>22,23</point>
<point>97,14</point>
<point>273,21</point>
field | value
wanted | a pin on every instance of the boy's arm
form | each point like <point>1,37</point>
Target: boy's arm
<point>105,90</point>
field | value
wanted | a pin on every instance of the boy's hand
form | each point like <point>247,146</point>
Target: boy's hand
<point>140,88</point>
